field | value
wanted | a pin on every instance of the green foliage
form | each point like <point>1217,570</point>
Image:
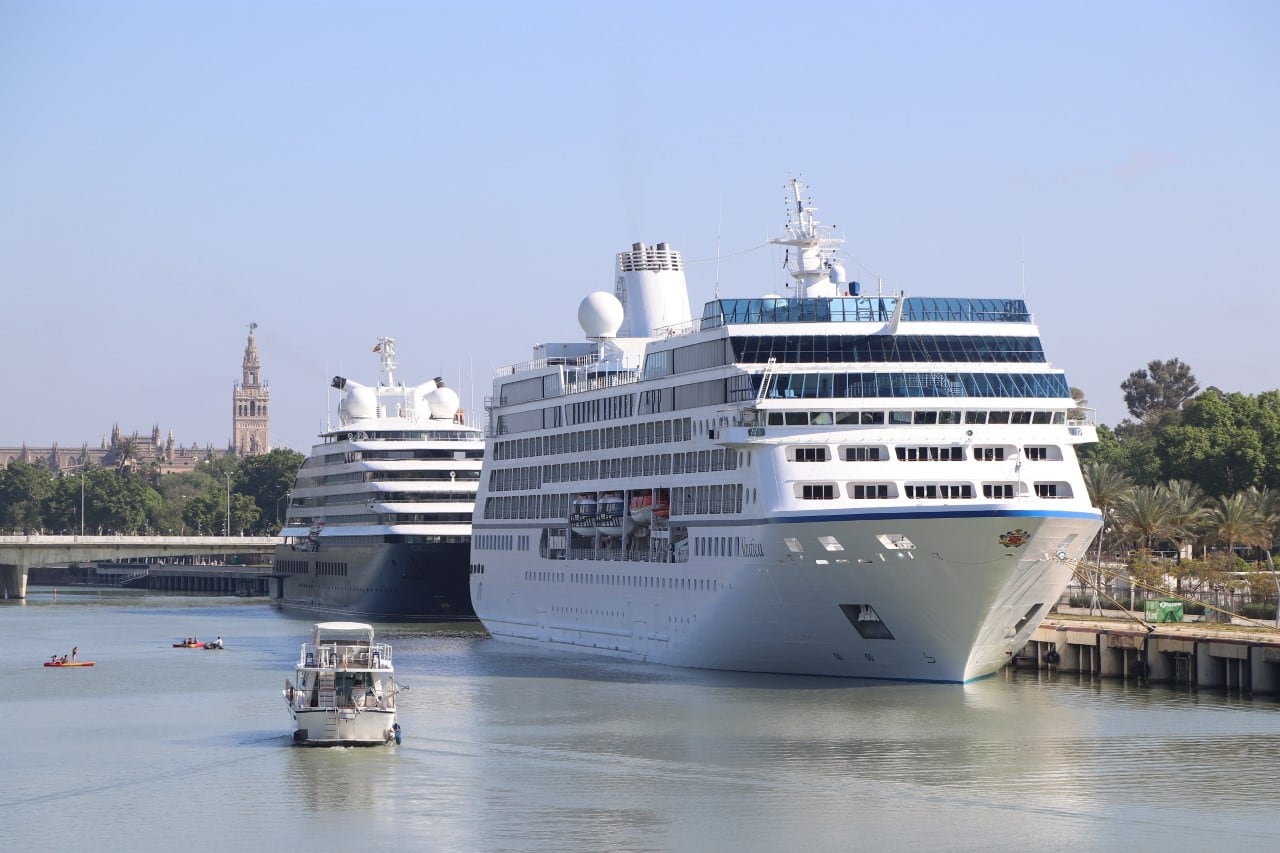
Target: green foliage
<point>1162,387</point>
<point>23,489</point>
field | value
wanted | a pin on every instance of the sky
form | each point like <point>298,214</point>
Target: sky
<point>459,176</point>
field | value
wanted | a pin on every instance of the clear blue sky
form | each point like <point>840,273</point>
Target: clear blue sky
<point>459,176</point>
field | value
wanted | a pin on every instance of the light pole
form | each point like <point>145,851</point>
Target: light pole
<point>227,526</point>
<point>182,518</point>
<point>82,500</point>
<point>283,497</point>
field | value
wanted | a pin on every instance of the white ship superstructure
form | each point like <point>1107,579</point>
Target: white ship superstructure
<point>379,519</point>
<point>823,483</point>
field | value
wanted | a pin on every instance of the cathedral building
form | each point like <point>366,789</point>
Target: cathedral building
<point>250,435</point>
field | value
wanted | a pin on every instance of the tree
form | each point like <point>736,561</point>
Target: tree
<point>126,451</point>
<point>1078,413</point>
<point>1162,387</point>
<point>1186,512</point>
<point>1234,521</point>
<point>1218,443</point>
<point>1145,514</point>
<point>23,490</point>
<point>266,479</point>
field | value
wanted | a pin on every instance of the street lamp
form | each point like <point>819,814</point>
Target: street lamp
<point>227,526</point>
<point>283,497</point>
<point>82,500</point>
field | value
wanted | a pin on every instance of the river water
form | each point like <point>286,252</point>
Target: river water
<point>157,748</point>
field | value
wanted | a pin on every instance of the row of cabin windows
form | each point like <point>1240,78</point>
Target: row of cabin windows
<point>718,499</point>
<point>603,438</point>
<point>661,464</point>
<point>923,453</point>
<point>911,418</point>
<point>926,491</point>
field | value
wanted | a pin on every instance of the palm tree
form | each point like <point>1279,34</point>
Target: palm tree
<point>1187,511</point>
<point>1107,485</point>
<point>1146,513</point>
<point>126,452</point>
<point>1266,505</point>
<point>1235,521</point>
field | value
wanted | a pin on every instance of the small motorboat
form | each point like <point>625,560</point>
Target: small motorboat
<point>69,663</point>
<point>343,692</point>
<point>214,644</point>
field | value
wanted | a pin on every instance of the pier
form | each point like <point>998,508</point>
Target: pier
<point>1196,655</point>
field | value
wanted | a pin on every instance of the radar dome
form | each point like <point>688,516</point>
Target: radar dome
<point>443,402</point>
<point>600,315</point>
<point>358,404</point>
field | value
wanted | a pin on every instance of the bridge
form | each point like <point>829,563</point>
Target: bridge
<point>20,553</point>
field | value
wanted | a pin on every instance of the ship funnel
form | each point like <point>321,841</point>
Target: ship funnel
<point>651,287</point>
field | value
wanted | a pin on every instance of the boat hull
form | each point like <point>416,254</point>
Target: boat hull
<point>343,727</point>
<point>69,663</point>
<point>952,607</point>
<point>380,580</point>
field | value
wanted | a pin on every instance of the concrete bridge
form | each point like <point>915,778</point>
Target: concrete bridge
<point>19,553</point>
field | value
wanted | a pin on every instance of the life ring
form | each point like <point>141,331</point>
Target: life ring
<point>1052,656</point>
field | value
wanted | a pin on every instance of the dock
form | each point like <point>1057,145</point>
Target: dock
<point>1242,658</point>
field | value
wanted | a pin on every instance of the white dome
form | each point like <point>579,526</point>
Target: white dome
<point>600,315</point>
<point>443,403</point>
<point>359,403</point>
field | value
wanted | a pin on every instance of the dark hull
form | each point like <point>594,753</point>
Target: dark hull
<point>379,580</point>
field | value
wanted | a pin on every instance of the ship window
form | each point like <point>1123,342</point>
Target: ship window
<point>988,454</point>
<point>831,543</point>
<point>873,418</point>
<point>871,491</point>
<point>997,490</point>
<point>975,417</point>
<point>998,418</point>
<point>811,454</point>
<point>817,492</point>
<point>864,618</point>
<point>793,545</point>
<point>899,417</point>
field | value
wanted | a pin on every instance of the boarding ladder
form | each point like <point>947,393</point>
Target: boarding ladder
<point>766,379</point>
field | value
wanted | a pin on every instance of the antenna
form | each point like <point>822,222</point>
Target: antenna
<point>1022,265</point>
<point>719,228</point>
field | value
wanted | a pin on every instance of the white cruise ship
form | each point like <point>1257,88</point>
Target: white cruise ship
<point>379,520</point>
<point>823,483</point>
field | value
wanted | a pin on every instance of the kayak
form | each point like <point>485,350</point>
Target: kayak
<point>69,663</point>
<point>188,645</point>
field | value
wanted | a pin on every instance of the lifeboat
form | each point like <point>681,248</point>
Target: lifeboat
<point>642,509</point>
<point>582,515</point>
<point>609,521</point>
<point>645,508</point>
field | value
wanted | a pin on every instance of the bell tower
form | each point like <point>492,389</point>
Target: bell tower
<point>250,413</point>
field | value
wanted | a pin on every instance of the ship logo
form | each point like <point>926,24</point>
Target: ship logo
<point>1014,538</point>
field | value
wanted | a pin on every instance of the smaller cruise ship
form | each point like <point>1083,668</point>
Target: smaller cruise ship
<point>343,692</point>
<point>379,519</point>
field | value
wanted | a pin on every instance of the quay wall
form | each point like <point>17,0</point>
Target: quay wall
<point>1244,659</point>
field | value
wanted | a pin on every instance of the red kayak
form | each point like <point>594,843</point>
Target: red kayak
<point>69,663</point>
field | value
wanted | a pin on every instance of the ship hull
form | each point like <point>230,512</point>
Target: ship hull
<point>955,595</point>
<point>378,580</point>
